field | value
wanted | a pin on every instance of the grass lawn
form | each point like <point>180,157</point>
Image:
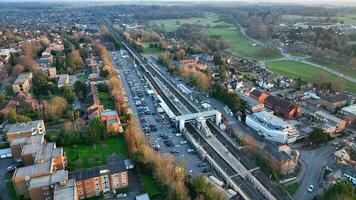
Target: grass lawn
<point>150,186</point>
<point>148,49</point>
<point>348,19</point>
<point>82,76</point>
<point>238,43</point>
<point>95,155</point>
<point>292,188</point>
<point>107,100</point>
<point>338,68</point>
<point>170,25</point>
<point>296,69</point>
<point>11,190</point>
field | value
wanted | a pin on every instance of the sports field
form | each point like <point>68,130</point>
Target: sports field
<point>238,43</point>
<point>170,25</point>
<point>296,69</point>
<point>348,19</point>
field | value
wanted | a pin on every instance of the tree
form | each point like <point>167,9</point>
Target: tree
<point>97,131</point>
<point>2,97</point>
<point>318,136</point>
<point>68,94</point>
<point>80,88</point>
<point>55,108</point>
<point>13,117</point>
<point>339,191</point>
<point>40,85</point>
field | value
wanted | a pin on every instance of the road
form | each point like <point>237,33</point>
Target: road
<point>302,59</point>
<point>305,61</point>
<point>4,163</point>
<point>315,161</point>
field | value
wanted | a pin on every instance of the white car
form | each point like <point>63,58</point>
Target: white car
<point>311,188</point>
<point>183,142</point>
<point>121,195</point>
<point>178,134</point>
<point>190,150</point>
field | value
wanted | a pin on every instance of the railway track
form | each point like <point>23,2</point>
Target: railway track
<point>151,73</point>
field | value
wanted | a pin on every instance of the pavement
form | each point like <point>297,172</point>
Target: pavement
<point>315,161</point>
<point>4,163</point>
<point>135,87</point>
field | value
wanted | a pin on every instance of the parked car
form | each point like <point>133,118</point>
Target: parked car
<point>183,142</point>
<point>121,195</point>
<point>206,170</point>
<point>190,151</point>
<point>11,169</point>
<point>311,188</point>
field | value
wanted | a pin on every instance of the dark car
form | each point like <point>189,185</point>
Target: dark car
<point>173,151</point>
<point>164,136</point>
<point>206,170</point>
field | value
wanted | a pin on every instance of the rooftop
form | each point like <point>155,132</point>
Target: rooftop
<point>351,110</point>
<point>336,98</point>
<point>65,192</point>
<point>270,118</point>
<point>24,127</point>
<point>34,139</point>
<point>57,177</point>
<point>23,77</point>
<point>33,170</point>
<point>115,164</point>
<point>329,117</point>
<point>106,113</point>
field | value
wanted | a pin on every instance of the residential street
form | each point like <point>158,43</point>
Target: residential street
<point>4,163</point>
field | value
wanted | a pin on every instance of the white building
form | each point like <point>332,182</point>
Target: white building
<point>271,127</point>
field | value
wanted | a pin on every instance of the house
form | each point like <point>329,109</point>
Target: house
<point>282,107</point>
<point>348,114</point>
<point>95,107</point>
<point>26,101</point>
<point>63,80</point>
<point>282,158</point>
<point>11,104</point>
<point>112,121</point>
<point>50,71</point>
<point>22,83</point>
<point>101,179</point>
<point>334,102</point>
<point>26,129</point>
<point>330,123</point>
<point>193,63</point>
<point>260,96</point>
<point>250,104</point>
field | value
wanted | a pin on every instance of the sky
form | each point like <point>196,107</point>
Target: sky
<point>314,2</point>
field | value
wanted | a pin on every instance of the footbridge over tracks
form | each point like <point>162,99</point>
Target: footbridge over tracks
<point>200,117</point>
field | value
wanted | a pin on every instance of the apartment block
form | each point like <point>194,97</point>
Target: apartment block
<point>102,179</point>
<point>17,145</point>
<point>21,130</point>
<point>22,83</point>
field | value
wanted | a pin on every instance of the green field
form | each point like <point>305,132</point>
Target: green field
<point>349,72</point>
<point>107,100</point>
<point>296,69</point>
<point>148,49</point>
<point>150,186</point>
<point>170,25</point>
<point>95,155</point>
<point>292,188</point>
<point>238,43</point>
<point>348,19</point>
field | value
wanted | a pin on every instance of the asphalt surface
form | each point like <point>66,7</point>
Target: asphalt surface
<point>4,163</point>
<point>134,85</point>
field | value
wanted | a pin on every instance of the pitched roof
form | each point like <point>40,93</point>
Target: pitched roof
<point>336,98</point>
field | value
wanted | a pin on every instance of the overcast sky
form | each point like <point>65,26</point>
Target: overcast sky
<point>314,2</point>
